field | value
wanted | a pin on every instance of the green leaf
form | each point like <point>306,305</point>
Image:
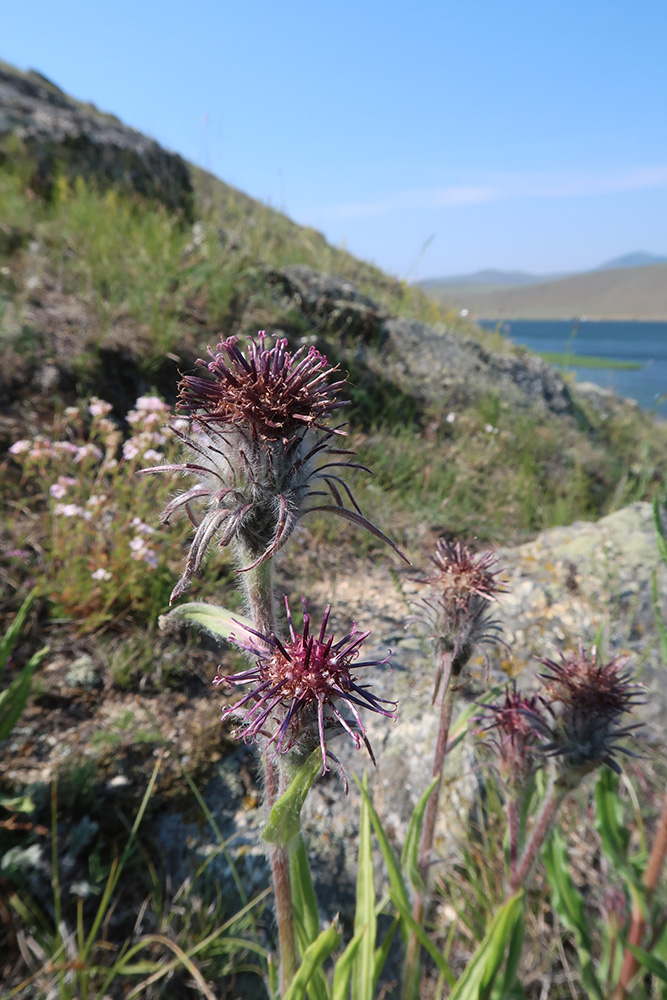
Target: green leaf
<point>316,954</point>
<point>508,987</point>
<point>12,634</point>
<point>609,822</point>
<point>343,968</point>
<point>285,818</point>
<point>306,917</point>
<point>662,630</point>
<point>364,917</point>
<point>410,853</point>
<point>423,938</point>
<point>481,971</point>
<point>382,953</point>
<point>15,696</point>
<point>20,804</point>
<point>650,962</point>
<point>303,894</point>
<point>219,622</point>
<point>391,861</point>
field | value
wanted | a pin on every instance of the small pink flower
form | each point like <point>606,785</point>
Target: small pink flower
<point>20,447</point>
<point>68,510</point>
<point>89,450</point>
<point>130,451</point>
<point>101,574</point>
<point>99,407</point>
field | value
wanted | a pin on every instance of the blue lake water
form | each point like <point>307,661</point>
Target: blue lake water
<point>644,343</point>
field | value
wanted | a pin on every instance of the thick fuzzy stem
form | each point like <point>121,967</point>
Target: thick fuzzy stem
<point>282,888</point>
<point>637,925</point>
<point>521,871</point>
<point>448,698</point>
<point>259,591</point>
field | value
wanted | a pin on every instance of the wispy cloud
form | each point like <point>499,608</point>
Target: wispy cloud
<point>504,188</point>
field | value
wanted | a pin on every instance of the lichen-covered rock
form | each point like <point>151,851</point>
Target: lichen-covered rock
<point>62,136</point>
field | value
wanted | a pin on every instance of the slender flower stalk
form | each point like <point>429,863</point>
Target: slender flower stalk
<point>514,748</point>
<point>455,614</point>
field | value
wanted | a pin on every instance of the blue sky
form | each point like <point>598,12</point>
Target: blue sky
<point>432,138</point>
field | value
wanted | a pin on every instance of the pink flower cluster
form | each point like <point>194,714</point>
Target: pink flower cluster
<point>84,470</point>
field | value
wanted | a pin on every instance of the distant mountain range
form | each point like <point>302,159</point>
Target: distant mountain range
<point>633,286</point>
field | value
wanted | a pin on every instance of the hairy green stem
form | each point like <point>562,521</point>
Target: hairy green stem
<point>260,596</point>
<point>282,887</point>
<point>448,698</point>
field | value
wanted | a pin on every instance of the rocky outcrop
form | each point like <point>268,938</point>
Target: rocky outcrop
<point>433,364</point>
<point>588,581</point>
<point>63,137</point>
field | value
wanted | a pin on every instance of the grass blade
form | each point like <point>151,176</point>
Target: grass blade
<point>365,918</point>
<point>394,872</point>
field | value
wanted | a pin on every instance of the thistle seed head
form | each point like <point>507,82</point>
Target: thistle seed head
<point>300,688</point>
<point>587,700</point>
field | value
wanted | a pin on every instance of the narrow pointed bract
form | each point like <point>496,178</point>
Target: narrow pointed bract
<point>302,688</point>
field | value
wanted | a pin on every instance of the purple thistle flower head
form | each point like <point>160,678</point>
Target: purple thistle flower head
<point>515,736</point>
<point>258,433</point>
<point>587,700</point>
<point>300,688</point>
<point>456,613</point>
<point>269,391</point>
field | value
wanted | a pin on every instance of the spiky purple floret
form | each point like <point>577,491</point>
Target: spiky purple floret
<point>515,738</point>
<point>270,391</point>
<point>299,686</point>
<point>461,575</point>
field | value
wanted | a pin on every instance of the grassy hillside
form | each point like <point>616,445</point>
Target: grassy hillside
<point>638,293</point>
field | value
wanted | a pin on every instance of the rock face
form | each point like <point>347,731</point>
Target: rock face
<point>588,581</point>
<point>64,137</point>
<point>429,363</point>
